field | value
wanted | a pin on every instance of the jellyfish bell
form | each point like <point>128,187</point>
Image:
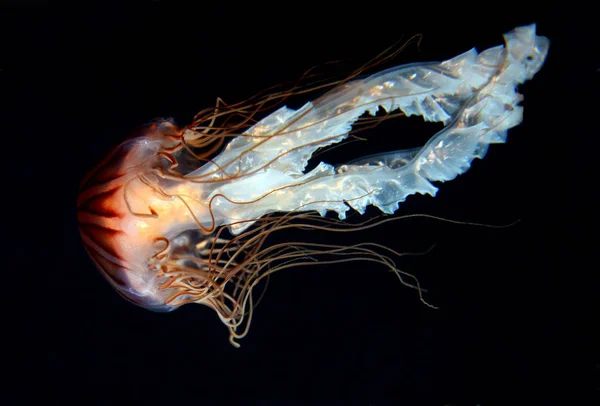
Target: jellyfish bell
<point>165,233</point>
<point>114,208</point>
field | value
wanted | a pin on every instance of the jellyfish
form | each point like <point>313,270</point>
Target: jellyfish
<point>183,215</point>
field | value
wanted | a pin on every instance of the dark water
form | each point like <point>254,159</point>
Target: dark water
<point>514,323</point>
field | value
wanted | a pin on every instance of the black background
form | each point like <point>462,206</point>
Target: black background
<point>516,304</point>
